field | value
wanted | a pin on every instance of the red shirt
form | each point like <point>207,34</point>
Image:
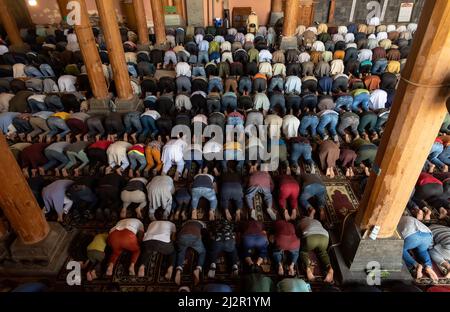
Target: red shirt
<point>426,178</point>
<point>102,144</point>
<point>285,237</point>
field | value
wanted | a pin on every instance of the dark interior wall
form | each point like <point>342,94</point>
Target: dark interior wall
<point>343,10</point>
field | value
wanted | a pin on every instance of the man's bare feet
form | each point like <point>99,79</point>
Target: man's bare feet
<point>294,214</point>
<point>178,277</point>
<point>185,173</point>
<point>445,168</point>
<point>287,217</point>
<point>430,272</point>
<point>41,171</point>
<point>309,274</point>
<point>443,213</point>
<point>332,175</point>
<point>419,214</point>
<point>280,269</point>
<point>330,276</point>
<point>177,176</point>
<point>238,215</point>
<point>228,215</point>
<point>431,169</point>
<point>76,172</point>
<point>311,212</point>
<point>119,171</point>
<point>109,270</point>
<point>133,137</point>
<point>196,276</point>
<point>131,270</point>
<point>89,276</point>
<point>347,173</point>
<point>419,273</point>
<point>57,173</point>
<point>25,173</point>
<point>367,171</point>
<point>427,212</point>
<point>141,272</point>
<point>123,213</point>
<point>176,216</point>
<point>183,215</point>
<point>323,215</point>
<point>212,215</point>
<point>347,138</point>
<point>194,214</point>
<point>352,173</point>
<point>169,272</point>
<point>288,170</point>
<point>94,274</point>
<point>291,270</point>
<point>65,173</point>
<point>29,139</point>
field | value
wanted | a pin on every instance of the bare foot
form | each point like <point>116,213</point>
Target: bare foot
<point>427,216</point>
<point>196,276</point>
<point>431,169</point>
<point>429,271</point>
<point>323,216</point>
<point>280,270</point>
<point>194,214</point>
<point>178,277</point>
<point>65,173</point>
<point>311,212</point>
<point>228,215</point>
<point>347,173</point>
<point>176,177</point>
<point>41,171</point>
<point>130,173</point>
<point>442,213</point>
<point>57,173</point>
<point>89,276</point>
<point>76,172</point>
<point>294,214</point>
<point>291,271</point>
<point>25,173</point>
<point>141,272</point>
<point>109,270</point>
<point>367,171</point>
<point>352,174</point>
<point>119,171</point>
<point>183,215</point>
<point>123,213</point>
<point>169,272</point>
<point>287,217</point>
<point>419,214</point>
<point>94,274</point>
<point>330,276</point>
<point>332,175</point>
<point>131,270</point>
<point>309,274</point>
<point>176,216</point>
<point>445,168</point>
<point>212,215</point>
<point>419,273</point>
<point>238,215</point>
<point>347,138</point>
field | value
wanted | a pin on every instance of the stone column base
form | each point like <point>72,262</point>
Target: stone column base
<point>353,253</point>
<point>45,258</point>
<point>289,43</point>
<point>275,16</point>
<point>99,106</point>
<point>125,106</point>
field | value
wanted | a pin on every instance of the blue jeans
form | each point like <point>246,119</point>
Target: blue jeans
<point>315,190</point>
<point>278,99</point>
<point>278,256</point>
<point>344,101</point>
<point>32,71</point>
<point>255,242</point>
<point>198,71</point>
<point>300,150</point>
<point>54,158</point>
<point>253,190</point>
<point>445,156</point>
<point>233,155</point>
<point>47,70</point>
<point>309,122</point>
<point>433,157</point>
<point>149,125</point>
<point>215,82</point>
<point>36,106</point>
<point>229,101</point>
<point>330,121</point>
<point>381,121</point>
<point>379,67</point>
<point>419,242</point>
<point>135,159</point>
<point>245,83</point>
<point>133,120</point>
<point>196,156</point>
<point>227,246</point>
<point>203,57</point>
<point>55,125</point>
<point>132,70</point>
<point>183,243</point>
<point>362,99</point>
<point>208,193</point>
<point>276,82</point>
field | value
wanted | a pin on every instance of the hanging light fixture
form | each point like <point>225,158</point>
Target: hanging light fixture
<point>32,2</point>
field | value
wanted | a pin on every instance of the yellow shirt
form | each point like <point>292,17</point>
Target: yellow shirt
<point>62,115</point>
<point>98,243</point>
<point>393,67</point>
<point>232,146</point>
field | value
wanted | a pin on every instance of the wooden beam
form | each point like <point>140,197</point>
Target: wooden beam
<point>158,21</point>
<point>129,14</point>
<point>277,6</point>
<point>415,118</point>
<point>116,54</point>
<point>179,4</point>
<point>141,21</point>
<point>17,200</point>
<point>290,18</point>
<point>10,24</point>
<point>331,11</point>
<point>91,57</point>
<point>62,4</point>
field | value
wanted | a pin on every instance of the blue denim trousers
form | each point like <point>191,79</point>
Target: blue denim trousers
<point>419,242</point>
<point>362,100</point>
<point>198,71</point>
<point>381,121</point>
<point>133,120</point>
<point>276,82</point>
<point>226,246</point>
<point>55,158</point>
<point>345,101</point>
<point>36,106</point>
<point>445,156</point>
<point>215,82</point>
<point>135,159</point>
<point>278,256</point>
<point>315,190</point>
<point>329,121</point>
<point>56,125</point>
<point>379,67</point>
<point>278,99</point>
<point>256,243</point>
<point>245,83</point>
<point>148,126</point>
<point>229,101</point>
<point>310,122</point>
<point>190,241</point>
<point>433,157</point>
<point>300,150</point>
<point>203,57</point>
<point>208,193</point>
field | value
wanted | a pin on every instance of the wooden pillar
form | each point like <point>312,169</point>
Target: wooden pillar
<point>415,118</point>
<point>179,4</point>
<point>90,54</point>
<point>331,11</point>
<point>277,6</point>
<point>305,15</point>
<point>10,24</point>
<point>129,14</point>
<point>158,21</point>
<point>141,21</point>
<point>62,4</point>
<point>17,201</point>
<point>114,44</point>
<point>290,18</point>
